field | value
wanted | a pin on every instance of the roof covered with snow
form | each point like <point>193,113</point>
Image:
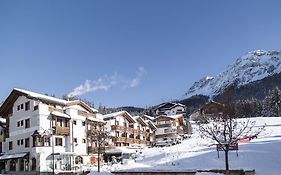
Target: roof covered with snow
<point>120,113</point>
<point>16,92</point>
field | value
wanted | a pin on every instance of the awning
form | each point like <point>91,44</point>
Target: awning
<point>59,114</point>
<point>13,156</point>
<point>64,154</point>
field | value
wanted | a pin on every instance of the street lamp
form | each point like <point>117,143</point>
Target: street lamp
<point>53,147</point>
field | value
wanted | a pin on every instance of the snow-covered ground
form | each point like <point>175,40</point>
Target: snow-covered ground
<point>262,154</point>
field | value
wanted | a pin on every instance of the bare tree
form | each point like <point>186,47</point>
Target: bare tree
<point>98,134</point>
<point>225,128</point>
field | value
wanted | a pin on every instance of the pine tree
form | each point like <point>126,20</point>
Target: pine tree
<point>272,103</point>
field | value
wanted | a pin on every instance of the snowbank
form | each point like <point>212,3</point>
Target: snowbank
<point>261,154</point>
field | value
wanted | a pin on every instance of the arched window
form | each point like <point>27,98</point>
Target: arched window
<point>33,164</point>
<point>78,160</point>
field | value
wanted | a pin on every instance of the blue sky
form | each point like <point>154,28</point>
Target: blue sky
<point>127,52</point>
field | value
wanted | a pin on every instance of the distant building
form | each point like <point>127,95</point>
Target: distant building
<point>45,134</point>
<point>127,130</point>
<point>170,109</point>
<point>169,127</point>
<point>210,109</point>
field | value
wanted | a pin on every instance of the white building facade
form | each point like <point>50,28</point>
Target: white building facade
<point>169,128</point>
<point>170,109</point>
<point>45,134</point>
<point>126,130</point>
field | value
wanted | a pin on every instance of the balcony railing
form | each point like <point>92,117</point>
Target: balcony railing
<point>59,130</point>
<point>130,140</point>
<point>129,130</point>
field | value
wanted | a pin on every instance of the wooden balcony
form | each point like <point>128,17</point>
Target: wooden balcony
<point>127,129</point>
<point>131,130</point>
<point>119,139</point>
<point>59,130</point>
<point>145,133</point>
<point>118,128</point>
<point>130,140</point>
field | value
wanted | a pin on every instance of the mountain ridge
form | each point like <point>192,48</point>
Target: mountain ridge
<point>249,68</point>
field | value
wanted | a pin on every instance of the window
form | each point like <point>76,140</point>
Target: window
<point>83,140</point>
<point>18,107</point>
<point>18,124</point>
<point>78,160</point>
<point>21,106</point>
<point>27,106</point>
<point>27,142</point>
<point>27,123</point>
<point>10,145</point>
<point>74,122</point>
<point>83,123</point>
<point>18,142</point>
<point>47,141</point>
<point>117,122</point>
<point>35,108</point>
<point>21,123</point>
<point>75,140</point>
<point>58,141</point>
<point>59,122</point>
<point>21,141</point>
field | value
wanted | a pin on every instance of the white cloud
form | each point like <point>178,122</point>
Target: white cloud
<point>139,74</point>
<point>106,82</point>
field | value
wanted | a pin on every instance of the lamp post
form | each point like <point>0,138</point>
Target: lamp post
<point>53,147</point>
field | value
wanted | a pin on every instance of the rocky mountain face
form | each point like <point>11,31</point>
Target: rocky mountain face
<point>250,76</point>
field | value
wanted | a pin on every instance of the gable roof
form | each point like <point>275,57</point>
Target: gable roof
<point>167,106</point>
<point>151,125</point>
<point>140,120</point>
<point>147,117</point>
<point>83,104</point>
<point>16,92</point>
<point>120,113</point>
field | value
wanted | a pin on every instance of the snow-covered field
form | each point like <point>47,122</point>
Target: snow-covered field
<point>262,154</point>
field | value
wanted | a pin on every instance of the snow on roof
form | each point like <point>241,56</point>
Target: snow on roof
<point>169,105</point>
<point>107,116</point>
<point>95,110</point>
<point>170,116</point>
<point>141,120</point>
<point>120,113</point>
<point>42,97</point>
<point>95,119</point>
<point>149,117</point>
<point>59,114</point>
<point>53,99</point>
<point>150,123</point>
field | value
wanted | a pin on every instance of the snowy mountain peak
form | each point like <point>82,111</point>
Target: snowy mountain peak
<point>253,66</point>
